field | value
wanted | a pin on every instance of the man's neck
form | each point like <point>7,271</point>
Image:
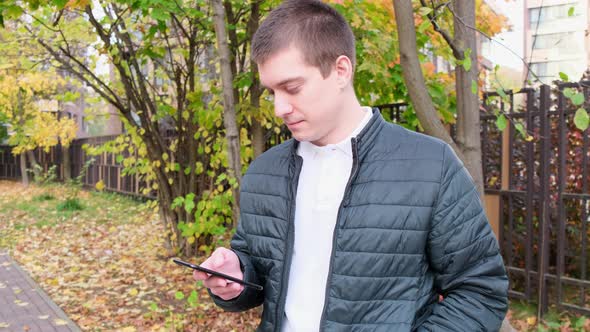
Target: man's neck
<point>351,115</point>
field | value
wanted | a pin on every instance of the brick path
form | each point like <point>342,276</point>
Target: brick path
<point>24,306</point>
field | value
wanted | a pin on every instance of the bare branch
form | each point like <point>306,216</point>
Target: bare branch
<point>457,50</point>
<point>59,14</point>
<point>179,26</point>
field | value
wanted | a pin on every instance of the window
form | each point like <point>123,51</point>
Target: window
<point>549,71</point>
<point>573,68</point>
<point>547,14</point>
<point>540,68</point>
<point>564,42</point>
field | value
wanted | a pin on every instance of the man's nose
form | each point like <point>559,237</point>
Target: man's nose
<point>282,107</point>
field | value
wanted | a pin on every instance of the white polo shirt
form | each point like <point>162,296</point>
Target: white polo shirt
<point>323,178</point>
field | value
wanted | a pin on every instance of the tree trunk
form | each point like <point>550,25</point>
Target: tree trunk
<point>229,113</point>
<point>258,141</point>
<point>23,169</point>
<point>34,165</point>
<point>66,163</point>
<point>168,218</point>
<point>413,76</point>
<point>468,122</point>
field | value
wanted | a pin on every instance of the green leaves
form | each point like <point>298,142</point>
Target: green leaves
<point>577,98</point>
<point>568,92</point>
<point>423,11</point>
<point>520,128</point>
<point>13,11</point>
<point>193,299</point>
<point>501,122</point>
<point>243,80</point>
<point>581,119</point>
<point>563,76</point>
<point>188,202</point>
<point>423,26</point>
<point>467,60</point>
<point>505,98</point>
<point>60,3</point>
<point>160,14</point>
<point>571,11</point>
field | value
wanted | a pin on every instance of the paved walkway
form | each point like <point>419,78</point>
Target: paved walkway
<point>24,306</point>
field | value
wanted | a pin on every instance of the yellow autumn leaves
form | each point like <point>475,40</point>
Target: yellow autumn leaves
<point>29,110</point>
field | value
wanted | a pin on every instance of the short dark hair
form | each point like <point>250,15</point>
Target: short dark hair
<point>318,30</point>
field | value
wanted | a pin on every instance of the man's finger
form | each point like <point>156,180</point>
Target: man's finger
<point>198,275</point>
<point>213,282</point>
<point>232,290</point>
<point>218,258</point>
<point>214,261</point>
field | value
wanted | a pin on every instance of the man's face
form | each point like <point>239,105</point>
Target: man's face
<point>307,102</point>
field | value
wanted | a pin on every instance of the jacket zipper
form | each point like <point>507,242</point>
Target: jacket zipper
<point>290,245</point>
<point>344,198</point>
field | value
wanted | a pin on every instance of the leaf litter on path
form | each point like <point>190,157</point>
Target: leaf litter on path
<point>106,265</point>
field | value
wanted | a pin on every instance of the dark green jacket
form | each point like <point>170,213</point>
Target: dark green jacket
<point>411,226</point>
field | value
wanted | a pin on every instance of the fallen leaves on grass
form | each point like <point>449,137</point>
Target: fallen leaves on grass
<point>523,318</point>
<point>106,265</point>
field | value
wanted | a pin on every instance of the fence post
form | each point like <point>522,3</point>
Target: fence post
<point>530,192</point>
<point>544,218</point>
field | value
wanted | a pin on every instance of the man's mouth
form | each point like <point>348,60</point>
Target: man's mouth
<point>293,123</point>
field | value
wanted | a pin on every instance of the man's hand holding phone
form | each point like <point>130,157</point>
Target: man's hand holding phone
<point>224,261</point>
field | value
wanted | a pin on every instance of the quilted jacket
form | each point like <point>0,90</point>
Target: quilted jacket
<point>410,227</point>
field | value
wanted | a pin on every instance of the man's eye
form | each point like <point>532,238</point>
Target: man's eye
<point>292,91</point>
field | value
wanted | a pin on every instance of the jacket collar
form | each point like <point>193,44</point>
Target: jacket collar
<point>364,139</point>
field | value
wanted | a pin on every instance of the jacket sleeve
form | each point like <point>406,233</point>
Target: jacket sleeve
<point>249,298</point>
<point>464,256</point>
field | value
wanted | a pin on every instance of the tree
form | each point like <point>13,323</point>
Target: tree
<point>164,83</point>
<point>229,113</point>
<point>21,94</point>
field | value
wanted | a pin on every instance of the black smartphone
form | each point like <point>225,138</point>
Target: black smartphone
<point>217,274</point>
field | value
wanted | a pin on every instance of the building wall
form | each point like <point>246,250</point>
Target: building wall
<point>93,120</point>
<point>554,41</point>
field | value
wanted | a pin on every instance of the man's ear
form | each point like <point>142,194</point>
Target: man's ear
<point>343,70</point>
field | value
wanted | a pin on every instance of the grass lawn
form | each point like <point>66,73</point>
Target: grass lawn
<point>105,265</point>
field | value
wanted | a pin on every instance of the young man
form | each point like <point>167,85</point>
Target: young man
<point>355,224</point>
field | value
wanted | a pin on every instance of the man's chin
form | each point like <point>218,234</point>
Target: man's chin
<point>299,137</point>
